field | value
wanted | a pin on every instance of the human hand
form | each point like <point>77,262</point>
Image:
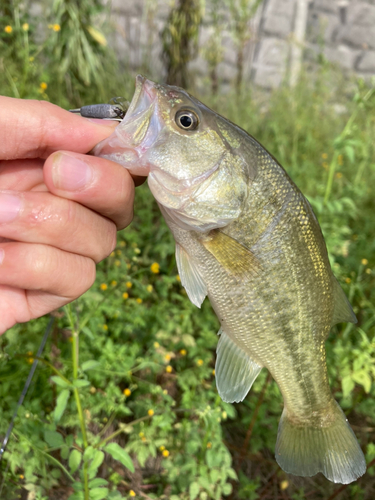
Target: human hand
<point>58,217</point>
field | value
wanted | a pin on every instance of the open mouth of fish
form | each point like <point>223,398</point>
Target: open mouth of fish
<point>135,136</point>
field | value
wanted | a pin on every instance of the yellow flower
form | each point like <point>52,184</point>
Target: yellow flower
<point>213,372</point>
<point>31,59</point>
<point>8,29</point>
<point>43,86</point>
<point>105,327</point>
<point>103,286</point>
<point>113,282</point>
<point>127,392</point>
<point>368,271</point>
<point>155,268</point>
<point>141,434</point>
<point>150,412</point>
<point>132,493</point>
<point>129,284</point>
<point>165,392</point>
<point>118,252</point>
<point>30,360</point>
<point>283,485</point>
<point>224,415</point>
<point>338,175</point>
<point>209,445</point>
<point>25,26</point>
<point>149,288</point>
<point>92,390</point>
<point>29,353</point>
<point>348,280</point>
<point>122,244</point>
<point>183,352</point>
<point>161,448</point>
<point>200,362</point>
<point>21,476</point>
<point>340,159</point>
<point>167,357</point>
<point>125,295</point>
<point>364,262</point>
<point>139,300</point>
<point>169,369</point>
<point>324,156</point>
<point>156,345</point>
<point>178,278</point>
<point>56,27</point>
<point>144,440</point>
<point>165,453</point>
<point>112,254</point>
<point>117,263</point>
<point>137,251</point>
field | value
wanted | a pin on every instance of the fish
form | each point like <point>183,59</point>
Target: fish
<point>248,239</point>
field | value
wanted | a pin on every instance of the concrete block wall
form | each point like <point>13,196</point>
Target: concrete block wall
<point>281,33</point>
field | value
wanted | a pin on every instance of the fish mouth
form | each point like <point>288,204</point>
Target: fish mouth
<point>136,133</point>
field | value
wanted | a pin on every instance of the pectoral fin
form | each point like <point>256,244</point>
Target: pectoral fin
<point>342,312</point>
<point>235,372</point>
<point>234,257</point>
<point>190,277</point>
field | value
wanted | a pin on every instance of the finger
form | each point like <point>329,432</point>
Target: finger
<point>97,183</point>
<point>34,129</point>
<point>45,269</point>
<point>35,217</point>
<point>22,175</point>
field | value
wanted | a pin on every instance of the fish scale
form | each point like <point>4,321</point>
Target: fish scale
<point>248,239</point>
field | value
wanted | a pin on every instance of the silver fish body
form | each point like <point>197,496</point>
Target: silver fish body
<point>248,239</point>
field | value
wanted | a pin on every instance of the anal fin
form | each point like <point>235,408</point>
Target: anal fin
<point>235,371</point>
<point>191,279</point>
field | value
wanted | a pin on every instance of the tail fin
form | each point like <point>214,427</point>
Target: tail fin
<point>333,450</point>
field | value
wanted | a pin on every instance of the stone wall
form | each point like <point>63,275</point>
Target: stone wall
<point>281,34</point>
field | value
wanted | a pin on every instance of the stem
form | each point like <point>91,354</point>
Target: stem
<point>75,357</point>
<point>331,173</point>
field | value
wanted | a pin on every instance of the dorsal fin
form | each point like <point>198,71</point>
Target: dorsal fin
<point>342,312</point>
<point>191,279</point>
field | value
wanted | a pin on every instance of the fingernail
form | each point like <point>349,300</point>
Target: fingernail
<point>9,207</point>
<point>69,173</point>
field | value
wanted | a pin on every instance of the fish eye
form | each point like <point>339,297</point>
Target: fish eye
<point>186,119</point>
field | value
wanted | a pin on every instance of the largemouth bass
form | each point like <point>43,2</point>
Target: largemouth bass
<point>248,239</point>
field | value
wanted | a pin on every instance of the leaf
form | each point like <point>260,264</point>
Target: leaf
<point>97,36</point>
<point>98,481</point>
<point>81,383</point>
<point>227,489</point>
<point>61,403</point>
<point>120,454</point>
<point>194,490</point>
<point>75,458</point>
<point>61,382</point>
<point>89,365</point>
<point>347,384</point>
<point>97,460</point>
<point>364,379</point>
<point>99,493</point>
<point>77,496</point>
<point>53,439</point>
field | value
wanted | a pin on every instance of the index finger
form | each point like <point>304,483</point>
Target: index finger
<point>35,129</point>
